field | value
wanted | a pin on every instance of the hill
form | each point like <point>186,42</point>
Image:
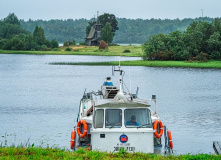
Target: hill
<point>130,30</point>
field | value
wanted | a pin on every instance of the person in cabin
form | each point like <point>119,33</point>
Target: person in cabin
<point>132,121</point>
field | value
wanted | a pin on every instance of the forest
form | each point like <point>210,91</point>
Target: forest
<point>130,30</point>
<point>200,42</point>
<point>13,37</point>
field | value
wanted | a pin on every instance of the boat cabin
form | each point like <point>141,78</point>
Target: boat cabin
<point>122,125</point>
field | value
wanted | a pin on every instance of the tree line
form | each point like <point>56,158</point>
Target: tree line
<point>129,30</point>
<point>201,41</point>
<point>14,37</point>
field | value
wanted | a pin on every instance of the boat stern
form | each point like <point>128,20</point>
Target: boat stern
<point>113,141</point>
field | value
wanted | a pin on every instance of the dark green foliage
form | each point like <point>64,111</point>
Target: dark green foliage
<point>39,36</point>
<point>11,19</point>
<point>82,43</point>
<point>111,19</point>
<point>106,34</point>
<point>54,44</point>
<point>61,30</point>
<point>74,43</point>
<point>68,49</point>
<point>13,37</point>
<point>201,42</point>
<point>69,43</point>
<point>8,30</point>
<point>130,30</point>
<point>44,48</point>
<point>126,51</point>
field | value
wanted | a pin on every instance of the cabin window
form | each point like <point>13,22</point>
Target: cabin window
<point>99,118</point>
<point>137,118</point>
<point>113,118</point>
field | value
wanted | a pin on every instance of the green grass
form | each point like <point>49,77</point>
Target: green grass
<point>136,51</point>
<point>49,153</point>
<point>210,64</point>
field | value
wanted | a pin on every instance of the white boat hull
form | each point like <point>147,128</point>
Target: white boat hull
<point>109,141</point>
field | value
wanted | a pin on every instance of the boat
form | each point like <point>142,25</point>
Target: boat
<point>111,119</point>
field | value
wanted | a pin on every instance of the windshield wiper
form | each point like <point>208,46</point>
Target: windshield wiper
<point>115,125</point>
<point>143,125</point>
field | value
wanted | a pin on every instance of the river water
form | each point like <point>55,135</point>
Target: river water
<point>39,102</point>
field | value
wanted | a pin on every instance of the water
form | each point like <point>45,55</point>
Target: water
<point>39,102</point>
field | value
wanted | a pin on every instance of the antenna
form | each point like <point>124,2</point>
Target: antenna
<point>119,62</point>
<point>202,14</point>
<point>130,79</point>
<point>137,90</point>
<point>121,79</point>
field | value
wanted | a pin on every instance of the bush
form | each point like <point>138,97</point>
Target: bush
<point>103,45</point>
<point>126,51</point>
<point>69,43</point>
<point>56,49</point>
<point>82,43</point>
<point>54,44</point>
<point>44,48</point>
<point>68,49</point>
<point>203,57</point>
<point>114,44</point>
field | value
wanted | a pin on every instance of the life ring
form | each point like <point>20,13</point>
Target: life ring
<point>170,139</point>
<point>82,135</point>
<point>72,139</point>
<point>158,135</point>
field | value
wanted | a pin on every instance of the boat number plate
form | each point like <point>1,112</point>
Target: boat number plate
<point>127,148</point>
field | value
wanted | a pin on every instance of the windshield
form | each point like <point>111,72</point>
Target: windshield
<point>113,118</point>
<point>99,118</point>
<point>137,118</point>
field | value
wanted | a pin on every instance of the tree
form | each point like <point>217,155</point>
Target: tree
<point>10,26</point>
<point>111,19</point>
<point>106,33</point>
<point>214,45</point>
<point>11,19</point>
<point>39,36</point>
<point>54,44</point>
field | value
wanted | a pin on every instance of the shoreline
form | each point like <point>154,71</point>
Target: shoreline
<point>174,64</point>
<point>117,51</point>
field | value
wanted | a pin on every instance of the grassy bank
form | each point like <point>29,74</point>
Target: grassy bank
<point>135,51</point>
<point>48,153</point>
<point>210,64</point>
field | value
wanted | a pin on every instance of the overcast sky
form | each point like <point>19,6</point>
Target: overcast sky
<point>133,9</point>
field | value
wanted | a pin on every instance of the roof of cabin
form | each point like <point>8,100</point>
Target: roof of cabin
<point>91,33</point>
<point>117,103</point>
